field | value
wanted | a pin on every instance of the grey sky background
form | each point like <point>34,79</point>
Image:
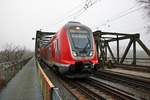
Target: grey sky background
<point>19,19</point>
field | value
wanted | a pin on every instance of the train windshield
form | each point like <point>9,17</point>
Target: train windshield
<point>80,40</point>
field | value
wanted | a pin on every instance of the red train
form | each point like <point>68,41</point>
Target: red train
<point>71,51</point>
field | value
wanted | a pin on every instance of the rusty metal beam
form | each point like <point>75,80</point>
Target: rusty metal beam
<point>105,46</point>
<point>117,49</point>
<point>124,37</point>
<point>111,53</point>
<point>113,33</point>
<point>143,46</point>
<point>126,51</point>
<point>134,52</point>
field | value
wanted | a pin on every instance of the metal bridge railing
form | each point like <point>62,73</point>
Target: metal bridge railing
<point>9,69</point>
<point>49,92</point>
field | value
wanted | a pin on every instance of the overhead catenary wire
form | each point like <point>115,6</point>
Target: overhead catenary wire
<point>87,5</point>
<point>121,15</point>
<point>77,11</point>
<point>69,13</point>
<point>125,11</point>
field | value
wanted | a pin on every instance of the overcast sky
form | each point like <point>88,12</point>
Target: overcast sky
<point>19,19</point>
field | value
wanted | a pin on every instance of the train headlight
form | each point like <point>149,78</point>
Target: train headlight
<point>91,53</point>
<point>74,53</point>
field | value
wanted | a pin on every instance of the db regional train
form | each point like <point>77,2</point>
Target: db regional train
<point>71,51</point>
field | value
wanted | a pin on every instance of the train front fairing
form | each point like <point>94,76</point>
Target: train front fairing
<point>81,54</point>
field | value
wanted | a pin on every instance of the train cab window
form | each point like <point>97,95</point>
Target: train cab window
<point>80,39</point>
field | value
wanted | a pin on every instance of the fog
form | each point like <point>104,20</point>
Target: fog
<point>19,19</point>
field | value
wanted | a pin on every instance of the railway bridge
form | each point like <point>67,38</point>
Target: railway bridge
<point>31,80</point>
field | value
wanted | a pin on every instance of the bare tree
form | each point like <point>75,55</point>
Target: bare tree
<point>146,4</point>
<point>13,53</point>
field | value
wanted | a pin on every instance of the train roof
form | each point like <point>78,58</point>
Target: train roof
<point>74,23</point>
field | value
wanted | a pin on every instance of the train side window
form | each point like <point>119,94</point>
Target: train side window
<point>58,46</point>
<point>49,52</point>
<point>53,50</point>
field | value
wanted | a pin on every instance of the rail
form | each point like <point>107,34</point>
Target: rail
<point>131,80</point>
<point>129,61</point>
<point>49,91</point>
<point>123,95</point>
<point>9,69</point>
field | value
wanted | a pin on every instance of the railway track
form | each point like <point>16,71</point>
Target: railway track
<point>111,90</point>
<point>92,89</point>
<point>85,89</point>
<point>77,91</point>
<point>138,82</point>
<point>140,68</point>
<point>79,88</point>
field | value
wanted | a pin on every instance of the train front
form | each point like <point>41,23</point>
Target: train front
<point>83,50</point>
